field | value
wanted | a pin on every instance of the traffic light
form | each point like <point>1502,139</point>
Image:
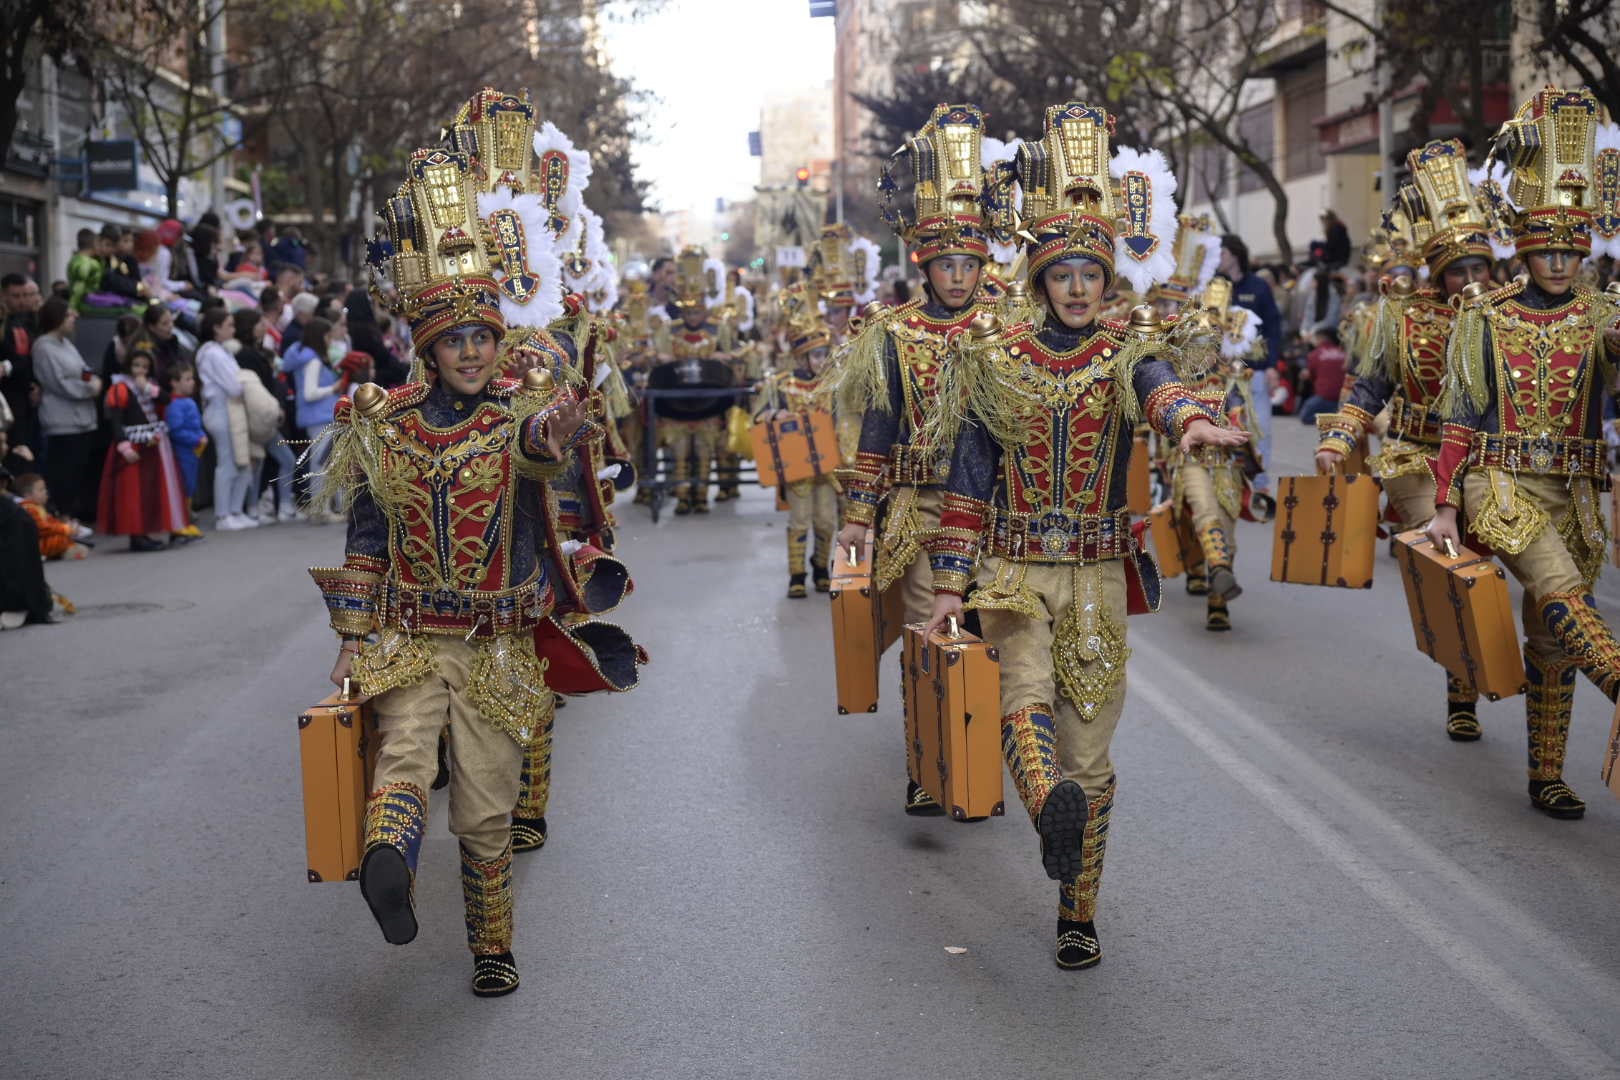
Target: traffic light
<point>803,176</point>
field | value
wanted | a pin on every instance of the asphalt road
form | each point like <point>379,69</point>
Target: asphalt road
<point>1306,879</point>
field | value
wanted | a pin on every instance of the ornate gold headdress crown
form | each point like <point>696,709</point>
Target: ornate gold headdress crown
<point>433,251</point>
<point>1448,218</point>
<point>832,268</point>
<point>1551,147</point>
<point>1079,200</point>
<point>699,280</point>
<point>1198,252</point>
<point>947,162</point>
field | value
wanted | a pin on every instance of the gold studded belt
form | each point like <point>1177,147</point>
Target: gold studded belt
<point>1060,536</point>
<point>473,612</point>
<point>1549,455</point>
<point>1413,423</point>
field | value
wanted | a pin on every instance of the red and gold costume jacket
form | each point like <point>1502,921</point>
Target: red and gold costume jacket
<point>450,532</point>
<point>1038,470</point>
<point>1403,366</point>
<point>1529,372</point>
<point>895,364</point>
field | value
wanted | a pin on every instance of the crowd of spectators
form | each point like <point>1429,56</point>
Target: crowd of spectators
<point>173,372</point>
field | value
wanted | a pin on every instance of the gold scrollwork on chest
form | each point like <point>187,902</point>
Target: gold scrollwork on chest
<point>1548,366</point>
<point>442,496</point>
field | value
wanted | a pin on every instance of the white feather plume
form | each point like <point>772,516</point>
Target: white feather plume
<point>1608,138</point>
<point>870,256</point>
<point>714,274</point>
<point>540,257</point>
<point>745,309</point>
<point>572,201</point>
<point>1160,263</point>
<point>1236,347</point>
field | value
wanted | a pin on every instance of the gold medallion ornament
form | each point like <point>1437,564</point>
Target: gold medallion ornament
<point>1088,646</point>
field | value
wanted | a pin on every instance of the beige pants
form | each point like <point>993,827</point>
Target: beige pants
<point>692,445</point>
<point>484,762</point>
<point>812,507</point>
<point>1063,646</point>
<point>1552,562</point>
<point>1412,498</point>
<point>1198,487</point>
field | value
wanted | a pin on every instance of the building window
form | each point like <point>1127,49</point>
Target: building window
<point>1303,105</point>
<point>1255,130</point>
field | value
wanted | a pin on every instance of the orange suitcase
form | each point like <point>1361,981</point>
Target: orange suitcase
<point>1462,615</point>
<point>864,626</point>
<point>1326,530</point>
<point>953,721</point>
<point>1175,546</point>
<point>337,743</point>
<point>800,447</point>
<point>1139,479</point>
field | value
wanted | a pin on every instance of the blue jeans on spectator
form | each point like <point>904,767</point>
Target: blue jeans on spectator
<point>1314,405</point>
<point>231,483</point>
<point>278,449</point>
<point>1262,423</point>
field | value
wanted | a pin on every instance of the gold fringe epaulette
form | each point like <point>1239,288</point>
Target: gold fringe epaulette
<point>353,462</point>
<point>863,376</point>
<point>1466,380</point>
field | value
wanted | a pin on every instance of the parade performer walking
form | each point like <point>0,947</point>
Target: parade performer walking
<point>1037,485</point>
<point>690,346</point>
<point>1402,362</point>
<point>1207,486</point>
<point>890,373</point>
<point>812,503</point>
<point>1521,447</point>
<point>448,577</point>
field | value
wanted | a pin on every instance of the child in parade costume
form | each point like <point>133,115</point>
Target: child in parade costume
<point>1037,485</point>
<point>141,495</point>
<point>1212,484</point>
<point>1521,447</point>
<point>689,348</point>
<point>812,503</point>
<point>1207,487</point>
<point>890,374</point>
<point>452,574</point>
<point>1402,361</point>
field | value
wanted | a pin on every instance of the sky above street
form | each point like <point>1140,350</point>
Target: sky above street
<point>711,64</point>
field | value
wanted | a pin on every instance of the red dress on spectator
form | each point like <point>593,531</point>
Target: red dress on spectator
<point>143,496</point>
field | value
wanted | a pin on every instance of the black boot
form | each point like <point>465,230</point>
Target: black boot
<point>796,590</point>
<point>528,834</point>
<point>1216,616</point>
<point>1077,945</point>
<point>1462,719</point>
<point>494,976</point>
<point>385,882</point>
<point>1197,583</point>
<point>818,574</point>
<point>1223,583</point>
<point>919,803</point>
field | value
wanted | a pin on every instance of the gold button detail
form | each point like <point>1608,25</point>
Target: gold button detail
<point>466,475</point>
<point>460,407</point>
